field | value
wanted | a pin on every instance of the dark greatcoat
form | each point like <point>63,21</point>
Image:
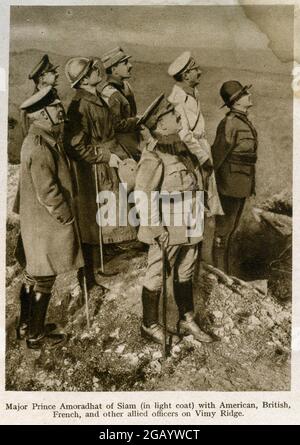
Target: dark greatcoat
<point>49,233</point>
<point>121,101</point>
<point>234,155</point>
<point>89,141</point>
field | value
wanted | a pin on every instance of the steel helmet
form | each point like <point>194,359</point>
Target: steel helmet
<point>76,68</point>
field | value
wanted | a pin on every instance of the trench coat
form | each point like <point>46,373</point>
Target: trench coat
<point>234,152</point>
<point>160,171</point>
<point>121,102</point>
<point>187,102</point>
<point>89,141</point>
<point>48,228</point>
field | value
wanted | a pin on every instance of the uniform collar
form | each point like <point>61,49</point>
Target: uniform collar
<point>38,130</point>
<point>191,91</point>
<point>115,82</point>
<point>86,95</point>
<point>238,112</point>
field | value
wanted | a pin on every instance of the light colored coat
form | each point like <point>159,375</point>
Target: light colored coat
<point>193,135</point>
<point>164,172</point>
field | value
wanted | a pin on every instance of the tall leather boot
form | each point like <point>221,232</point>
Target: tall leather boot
<point>150,327</point>
<point>37,328</point>
<point>92,278</point>
<point>25,306</point>
<point>220,255</point>
<point>183,294</point>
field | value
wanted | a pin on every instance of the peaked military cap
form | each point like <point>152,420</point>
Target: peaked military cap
<point>43,98</point>
<point>231,91</point>
<point>44,66</point>
<point>183,63</point>
<point>114,56</point>
<point>158,108</point>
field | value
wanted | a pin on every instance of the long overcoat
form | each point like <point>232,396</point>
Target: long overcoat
<point>48,229</point>
<point>187,103</point>
<point>89,142</point>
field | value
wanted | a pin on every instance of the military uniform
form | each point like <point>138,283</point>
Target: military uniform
<point>43,66</point>
<point>186,99</point>
<point>49,235</point>
<point>234,153</point>
<point>167,166</point>
<point>90,141</point>
<point>121,102</point>
<point>119,96</point>
<point>159,170</point>
<point>47,220</point>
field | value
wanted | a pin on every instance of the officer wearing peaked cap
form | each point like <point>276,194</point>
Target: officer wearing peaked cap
<point>119,96</point>
<point>185,96</point>
<point>50,239</point>
<point>167,166</point>
<point>43,74</point>
<point>235,153</point>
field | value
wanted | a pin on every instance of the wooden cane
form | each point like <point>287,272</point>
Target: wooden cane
<point>164,296</point>
<point>110,274</point>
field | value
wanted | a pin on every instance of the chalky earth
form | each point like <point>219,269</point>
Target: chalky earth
<point>250,322</point>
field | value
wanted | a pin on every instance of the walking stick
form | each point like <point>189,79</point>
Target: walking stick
<point>86,300</point>
<point>100,226</point>
<point>164,296</point>
<point>85,291</point>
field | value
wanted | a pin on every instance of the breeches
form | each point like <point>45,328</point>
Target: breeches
<point>182,258</point>
<point>40,284</point>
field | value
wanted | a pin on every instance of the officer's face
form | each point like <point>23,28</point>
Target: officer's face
<point>56,113</point>
<point>50,78</point>
<point>94,76</point>
<point>245,101</point>
<point>170,123</point>
<point>122,70</point>
<point>192,76</point>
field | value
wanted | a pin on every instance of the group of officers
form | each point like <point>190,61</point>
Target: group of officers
<point>68,156</point>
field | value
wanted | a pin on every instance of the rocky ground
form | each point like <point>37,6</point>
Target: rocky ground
<point>251,324</point>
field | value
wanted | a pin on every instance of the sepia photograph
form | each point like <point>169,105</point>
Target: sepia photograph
<point>149,198</point>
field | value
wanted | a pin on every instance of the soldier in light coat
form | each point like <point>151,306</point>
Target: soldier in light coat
<point>235,153</point>
<point>168,166</point>
<point>118,94</point>
<point>47,217</point>
<point>185,97</point>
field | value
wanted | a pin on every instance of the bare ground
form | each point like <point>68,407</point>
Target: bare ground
<point>253,353</point>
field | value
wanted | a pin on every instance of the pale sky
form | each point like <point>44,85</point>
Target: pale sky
<point>70,30</point>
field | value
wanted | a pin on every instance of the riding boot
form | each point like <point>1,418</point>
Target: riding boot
<point>220,254</point>
<point>24,319</point>
<point>90,269</point>
<point>37,329</point>
<point>183,294</point>
<point>150,327</point>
